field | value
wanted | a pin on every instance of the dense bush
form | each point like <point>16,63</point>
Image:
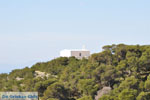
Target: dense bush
<point>123,68</point>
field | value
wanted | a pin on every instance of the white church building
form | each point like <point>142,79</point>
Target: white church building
<point>78,53</point>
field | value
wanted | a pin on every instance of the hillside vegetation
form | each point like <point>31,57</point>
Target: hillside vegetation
<point>119,72</point>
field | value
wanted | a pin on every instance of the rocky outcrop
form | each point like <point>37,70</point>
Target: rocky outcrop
<point>41,74</point>
<point>103,91</point>
<point>19,79</point>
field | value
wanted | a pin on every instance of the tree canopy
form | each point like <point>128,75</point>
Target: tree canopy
<point>123,68</point>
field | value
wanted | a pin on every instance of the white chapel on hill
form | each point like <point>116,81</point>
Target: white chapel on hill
<point>78,53</point>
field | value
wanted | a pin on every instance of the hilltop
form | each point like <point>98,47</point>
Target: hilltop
<point>119,72</point>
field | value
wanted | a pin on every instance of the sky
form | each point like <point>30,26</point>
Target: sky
<point>34,31</point>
